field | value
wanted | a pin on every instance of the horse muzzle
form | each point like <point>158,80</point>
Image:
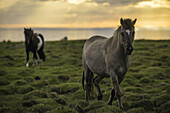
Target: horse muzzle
<point>129,50</point>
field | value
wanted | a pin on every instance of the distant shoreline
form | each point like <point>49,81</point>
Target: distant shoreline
<point>55,34</point>
<point>8,41</point>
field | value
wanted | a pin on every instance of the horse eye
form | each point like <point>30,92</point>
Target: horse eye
<point>122,33</point>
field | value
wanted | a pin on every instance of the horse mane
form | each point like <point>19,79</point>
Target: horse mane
<point>127,23</point>
<point>117,32</point>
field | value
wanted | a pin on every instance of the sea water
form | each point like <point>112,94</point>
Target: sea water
<point>53,34</point>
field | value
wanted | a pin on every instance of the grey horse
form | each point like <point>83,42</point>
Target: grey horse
<point>108,57</point>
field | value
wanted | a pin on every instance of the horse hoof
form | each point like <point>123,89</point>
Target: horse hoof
<point>109,103</point>
<point>121,107</point>
<point>100,97</point>
<point>27,65</point>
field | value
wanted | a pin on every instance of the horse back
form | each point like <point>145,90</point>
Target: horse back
<point>95,38</point>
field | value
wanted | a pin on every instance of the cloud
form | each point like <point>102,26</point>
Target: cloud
<point>154,4</point>
<point>88,13</point>
<point>117,3</point>
<point>7,3</point>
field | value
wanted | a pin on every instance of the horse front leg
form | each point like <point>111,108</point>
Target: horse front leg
<point>27,64</point>
<point>111,97</point>
<point>35,58</point>
<point>115,82</point>
<point>96,81</point>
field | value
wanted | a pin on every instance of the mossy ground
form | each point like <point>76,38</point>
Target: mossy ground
<point>54,86</point>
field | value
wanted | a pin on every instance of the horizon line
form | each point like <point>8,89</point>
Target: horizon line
<point>70,27</point>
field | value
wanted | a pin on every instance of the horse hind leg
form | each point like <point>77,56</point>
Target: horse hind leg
<point>41,55</point>
<point>35,58</point>
<point>96,81</point>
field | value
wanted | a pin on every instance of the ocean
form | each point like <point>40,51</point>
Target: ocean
<point>55,34</point>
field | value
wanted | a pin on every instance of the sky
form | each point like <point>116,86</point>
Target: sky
<point>83,13</point>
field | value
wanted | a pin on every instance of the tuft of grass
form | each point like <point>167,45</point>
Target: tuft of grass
<point>4,82</point>
<point>160,100</point>
<point>35,94</point>
<point>134,89</point>
<point>145,80</point>
<point>40,108</point>
<point>20,82</point>
<point>136,110</point>
<point>146,104</point>
<point>3,73</point>
<point>25,89</point>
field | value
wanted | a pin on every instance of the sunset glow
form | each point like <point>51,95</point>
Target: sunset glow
<point>76,1</point>
<point>83,13</point>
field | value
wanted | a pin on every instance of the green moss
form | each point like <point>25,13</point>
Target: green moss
<point>146,104</point>
<point>51,79</point>
<point>20,82</point>
<point>162,99</point>
<point>134,89</point>
<point>35,94</point>
<point>40,108</point>
<point>25,89</point>
<point>4,82</point>
<point>137,75</point>
<point>129,81</point>
<point>145,80</point>
<point>46,86</point>
<point>136,110</point>
<point>2,73</point>
<point>29,79</point>
<point>39,84</point>
<point>165,107</point>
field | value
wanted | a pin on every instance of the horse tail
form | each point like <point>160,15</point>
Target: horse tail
<point>87,83</point>
<point>41,37</point>
<point>92,91</point>
<point>40,52</point>
<point>83,81</point>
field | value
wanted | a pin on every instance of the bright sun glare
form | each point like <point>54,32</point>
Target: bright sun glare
<point>153,4</point>
<point>76,1</point>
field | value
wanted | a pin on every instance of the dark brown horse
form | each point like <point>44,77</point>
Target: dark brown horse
<point>35,43</point>
<point>108,58</point>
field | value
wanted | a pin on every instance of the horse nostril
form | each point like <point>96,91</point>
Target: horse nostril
<point>130,48</point>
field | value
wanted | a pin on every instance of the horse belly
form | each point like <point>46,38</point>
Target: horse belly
<point>96,64</point>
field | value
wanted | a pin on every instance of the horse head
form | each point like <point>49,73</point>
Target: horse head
<point>127,34</point>
<point>29,33</point>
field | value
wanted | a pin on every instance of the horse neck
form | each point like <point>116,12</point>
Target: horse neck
<point>34,40</point>
<point>115,42</point>
<point>115,46</point>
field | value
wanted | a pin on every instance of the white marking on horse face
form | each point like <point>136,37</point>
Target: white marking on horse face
<point>128,31</point>
<point>27,64</point>
<point>40,43</point>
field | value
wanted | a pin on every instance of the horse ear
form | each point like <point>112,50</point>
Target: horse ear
<point>121,21</point>
<point>134,21</point>
<point>24,28</point>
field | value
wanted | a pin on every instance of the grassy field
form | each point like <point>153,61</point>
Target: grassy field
<point>54,86</point>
